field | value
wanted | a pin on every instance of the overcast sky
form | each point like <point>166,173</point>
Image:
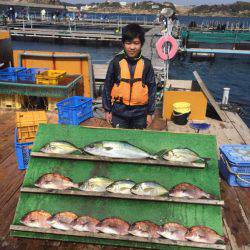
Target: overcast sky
<point>179,2</point>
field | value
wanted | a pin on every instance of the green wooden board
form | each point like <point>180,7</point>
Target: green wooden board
<point>129,210</point>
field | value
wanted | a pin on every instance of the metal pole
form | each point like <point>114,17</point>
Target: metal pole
<point>225,97</point>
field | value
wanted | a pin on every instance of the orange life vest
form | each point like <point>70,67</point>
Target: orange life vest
<point>130,90</point>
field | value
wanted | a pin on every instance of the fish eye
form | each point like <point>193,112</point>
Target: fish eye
<point>91,146</point>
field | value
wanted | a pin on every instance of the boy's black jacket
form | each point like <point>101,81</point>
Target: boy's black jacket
<point>122,109</point>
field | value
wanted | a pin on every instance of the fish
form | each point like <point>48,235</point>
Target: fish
<point>186,190</point>
<point>121,187</point>
<point>36,218</point>
<point>55,181</point>
<point>149,188</point>
<point>173,231</point>
<point>96,184</point>
<point>145,229</point>
<point>59,147</point>
<point>113,226</point>
<point>62,220</point>
<point>85,224</point>
<point>117,149</point>
<point>204,234</point>
<point>183,155</point>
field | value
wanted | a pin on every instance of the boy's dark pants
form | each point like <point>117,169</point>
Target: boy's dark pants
<point>132,123</point>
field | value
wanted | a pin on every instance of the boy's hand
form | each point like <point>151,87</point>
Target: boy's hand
<point>149,120</point>
<point>108,117</point>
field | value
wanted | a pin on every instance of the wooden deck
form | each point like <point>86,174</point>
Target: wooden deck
<point>65,34</point>
<point>236,212</point>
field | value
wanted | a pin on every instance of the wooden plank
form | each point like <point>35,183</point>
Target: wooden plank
<point>179,84</point>
<point>12,179</point>
<point>123,196</point>
<point>236,223</point>
<point>240,126</point>
<point>7,213</point>
<point>107,159</point>
<point>117,237</point>
<point>210,97</point>
<point>244,199</point>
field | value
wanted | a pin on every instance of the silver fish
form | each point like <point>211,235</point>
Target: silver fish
<point>186,190</point>
<point>204,235</point>
<point>145,229</point>
<point>85,224</point>
<point>182,155</point>
<point>173,231</point>
<point>149,188</point>
<point>113,226</point>
<point>121,187</point>
<point>55,181</point>
<point>37,218</point>
<point>117,149</point>
<point>59,147</point>
<point>96,184</point>
<point>62,220</point>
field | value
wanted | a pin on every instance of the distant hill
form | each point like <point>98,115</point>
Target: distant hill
<point>236,9</point>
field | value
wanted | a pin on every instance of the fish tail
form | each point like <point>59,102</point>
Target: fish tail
<point>160,230</point>
<point>161,153</point>
<point>209,196</point>
<point>76,185</point>
<point>80,150</point>
<point>205,159</point>
<point>222,239</point>
<point>79,184</point>
<point>155,157</point>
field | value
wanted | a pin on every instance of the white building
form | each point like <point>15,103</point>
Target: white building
<point>123,4</point>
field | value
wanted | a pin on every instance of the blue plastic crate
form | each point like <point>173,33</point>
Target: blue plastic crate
<point>235,164</point>
<point>74,110</point>
<point>29,75</point>
<point>10,74</point>
<point>23,150</point>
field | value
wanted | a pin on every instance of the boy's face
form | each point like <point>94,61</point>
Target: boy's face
<point>132,48</point>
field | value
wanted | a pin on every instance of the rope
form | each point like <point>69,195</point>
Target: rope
<point>234,173</point>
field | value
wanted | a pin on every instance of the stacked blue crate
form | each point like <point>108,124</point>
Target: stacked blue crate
<point>10,74</point>
<point>235,164</point>
<point>29,75</point>
<point>23,150</point>
<point>74,110</point>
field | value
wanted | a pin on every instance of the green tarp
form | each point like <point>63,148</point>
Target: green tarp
<point>129,210</point>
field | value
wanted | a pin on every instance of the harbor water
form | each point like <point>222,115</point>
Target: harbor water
<point>223,71</point>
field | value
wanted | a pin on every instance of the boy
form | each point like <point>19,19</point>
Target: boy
<point>129,89</point>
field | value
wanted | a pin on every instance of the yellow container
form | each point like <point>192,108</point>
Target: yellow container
<point>182,107</point>
<point>50,77</point>
<point>27,124</point>
<point>11,101</point>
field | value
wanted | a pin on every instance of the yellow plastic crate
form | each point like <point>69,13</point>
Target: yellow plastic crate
<point>50,77</point>
<point>11,101</point>
<point>27,124</point>
<point>52,103</point>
